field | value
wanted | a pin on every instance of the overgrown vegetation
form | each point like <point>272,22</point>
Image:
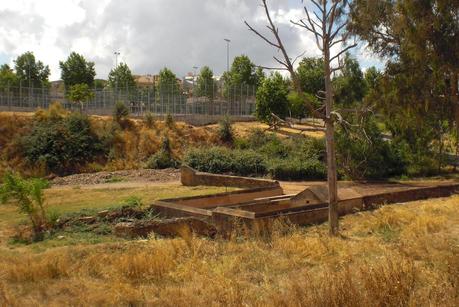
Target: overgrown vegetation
<point>27,195</point>
<point>61,143</point>
<point>163,158</point>
<point>263,154</point>
<point>415,264</point>
<point>120,112</point>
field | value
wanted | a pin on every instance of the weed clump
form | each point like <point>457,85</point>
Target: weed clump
<point>120,112</point>
<point>163,158</point>
<point>170,123</point>
<point>225,131</point>
<point>149,120</point>
<point>27,194</point>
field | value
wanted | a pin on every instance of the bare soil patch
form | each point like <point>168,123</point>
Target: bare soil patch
<point>140,175</point>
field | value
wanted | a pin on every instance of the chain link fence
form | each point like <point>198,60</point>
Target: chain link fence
<point>175,99</point>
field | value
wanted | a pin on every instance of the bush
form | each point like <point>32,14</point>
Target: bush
<point>163,158</point>
<point>296,169</point>
<point>121,112</point>
<point>221,160</point>
<point>248,162</point>
<point>225,131</point>
<point>29,198</point>
<point>212,159</point>
<point>363,154</point>
<point>149,120</point>
<point>62,144</point>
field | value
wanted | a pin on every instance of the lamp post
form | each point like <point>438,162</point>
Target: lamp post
<point>194,77</point>
<point>116,53</point>
<point>227,53</point>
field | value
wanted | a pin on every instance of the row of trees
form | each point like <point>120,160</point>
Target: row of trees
<point>277,95</point>
<point>27,72</point>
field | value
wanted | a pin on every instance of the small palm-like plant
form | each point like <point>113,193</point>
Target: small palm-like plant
<point>27,194</point>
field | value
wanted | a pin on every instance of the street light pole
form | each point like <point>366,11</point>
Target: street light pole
<point>116,53</point>
<point>194,76</point>
<point>227,53</point>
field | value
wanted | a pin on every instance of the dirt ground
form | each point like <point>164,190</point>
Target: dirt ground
<point>140,175</point>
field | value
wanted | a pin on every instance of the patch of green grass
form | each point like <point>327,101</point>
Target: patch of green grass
<point>68,201</point>
<point>114,179</point>
<point>388,233</point>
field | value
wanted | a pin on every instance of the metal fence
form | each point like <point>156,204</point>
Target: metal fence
<point>175,99</point>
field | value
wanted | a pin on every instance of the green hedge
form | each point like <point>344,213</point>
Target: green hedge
<point>296,169</point>
<point>222,160</point>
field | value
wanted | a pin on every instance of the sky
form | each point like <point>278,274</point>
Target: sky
<point>152,34</point>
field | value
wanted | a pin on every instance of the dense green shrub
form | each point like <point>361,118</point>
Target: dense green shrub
<point>362,153</point>
<point>296,169</point>
<point>297,104</point>
<point>210,159</point>
<point>222,160</point>
<point>62,144</point>
<point>248,162</point>
<point>163,158</point>
<point>417,161</point>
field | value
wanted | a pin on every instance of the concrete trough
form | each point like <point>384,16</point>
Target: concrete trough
<point>261,202</point>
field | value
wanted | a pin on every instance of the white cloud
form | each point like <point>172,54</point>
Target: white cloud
<point>150,34</point>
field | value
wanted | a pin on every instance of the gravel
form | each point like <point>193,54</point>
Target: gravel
<point>142,175</point>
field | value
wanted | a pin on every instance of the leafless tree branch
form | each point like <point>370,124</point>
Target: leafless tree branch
<point>271,68</point>
<point>261,35</point>
<point>343,51</point>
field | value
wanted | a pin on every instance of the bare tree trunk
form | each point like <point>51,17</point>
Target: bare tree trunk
<point>330,143</point>
<point>328,30</point>
<point>455,101</point>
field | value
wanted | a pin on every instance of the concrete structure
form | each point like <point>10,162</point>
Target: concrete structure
<point>260,201</point>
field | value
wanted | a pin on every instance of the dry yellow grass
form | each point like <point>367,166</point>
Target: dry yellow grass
<point>399,255</point>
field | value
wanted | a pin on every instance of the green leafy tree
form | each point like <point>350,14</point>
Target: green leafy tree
<point>372,77</point>
<point>28,195</point>
<point>206,84</point>
<point>350,85</point>
<point>310,72</point>
<point>80,94</point>
<point>272,97</point>
<point>168,91</point>
<point>31,72</point>
<point>297,107</point>
<point>168,82</point>
<point>242,76</point>
<point>100,84</point>
<point>76,70</point>
<point>121,77</point>
<point>260,75</point>
<point>243,71</point>
<point>418,91</point>
<point>7,77</point>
